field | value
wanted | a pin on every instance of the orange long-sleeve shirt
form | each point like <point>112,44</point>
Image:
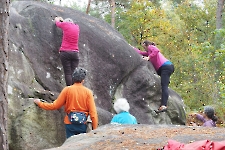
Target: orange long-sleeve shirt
<point>74,98</point>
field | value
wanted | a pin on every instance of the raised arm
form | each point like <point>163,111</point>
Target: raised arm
<point>141,52</point>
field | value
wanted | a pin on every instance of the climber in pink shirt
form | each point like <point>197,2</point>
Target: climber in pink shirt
<point>69,51</point>
<point>163,67</point>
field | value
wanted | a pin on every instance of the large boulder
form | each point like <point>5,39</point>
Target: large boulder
<point>142,137</point>
<point>35,71</point>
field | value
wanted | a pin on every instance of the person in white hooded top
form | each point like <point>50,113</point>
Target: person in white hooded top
<point>121,106</point>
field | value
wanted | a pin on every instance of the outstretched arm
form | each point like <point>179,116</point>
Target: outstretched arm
<point>140,52</point>
<point>58,103</point>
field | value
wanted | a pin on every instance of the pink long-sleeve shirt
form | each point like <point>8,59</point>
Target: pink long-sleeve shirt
<point>156,58</point>
<point>70,37</point>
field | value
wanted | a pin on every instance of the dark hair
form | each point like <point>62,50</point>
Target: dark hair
<point>209,111</point>
<point>79,75</point>
<point>147,43</point>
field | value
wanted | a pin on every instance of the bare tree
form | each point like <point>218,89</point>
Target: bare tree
<point>219,12</point>
<point>88,7</point>
<point>219,25</point>
<point>113,7</point>
<point>4,24</point>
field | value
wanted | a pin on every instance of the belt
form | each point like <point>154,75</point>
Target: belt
<point>167,63</point>
<point>69,51</point>
<point>75,50</point>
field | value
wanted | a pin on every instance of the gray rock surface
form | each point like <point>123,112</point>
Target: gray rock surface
<point>114,70</point>
<point>140,137</point>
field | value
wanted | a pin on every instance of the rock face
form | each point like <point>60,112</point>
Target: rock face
<point>114,70</point>
<point>141,137</point>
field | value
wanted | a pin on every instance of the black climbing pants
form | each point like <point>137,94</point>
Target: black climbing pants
<point>165,72</point>
<point>70,60</point>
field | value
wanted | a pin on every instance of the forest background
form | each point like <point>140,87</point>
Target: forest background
<point>190,33</point>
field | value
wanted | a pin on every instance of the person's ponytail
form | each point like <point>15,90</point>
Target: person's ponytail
<point>214,118</point>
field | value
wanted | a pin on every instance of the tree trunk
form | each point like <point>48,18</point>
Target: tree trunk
<point>217,45</point>
<point>113,7</point>
<point>219,13</point>
<point>4,24</point>
<point>88,7</point>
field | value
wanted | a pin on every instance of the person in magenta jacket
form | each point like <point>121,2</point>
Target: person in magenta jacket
<point>163,67</point>
<point>68,51</point>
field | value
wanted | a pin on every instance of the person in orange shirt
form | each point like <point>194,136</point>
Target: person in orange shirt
<point>74,98</point>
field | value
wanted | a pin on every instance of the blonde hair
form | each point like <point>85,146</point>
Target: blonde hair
<point>121,104</point>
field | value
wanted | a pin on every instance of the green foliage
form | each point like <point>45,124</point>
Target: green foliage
<point>150,23</point>
<point>219,58</point>
<point>198,67</point>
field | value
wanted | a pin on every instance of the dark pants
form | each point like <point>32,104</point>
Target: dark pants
<point>74,129</point>
<point>70,60</point>
<point>165,73</point>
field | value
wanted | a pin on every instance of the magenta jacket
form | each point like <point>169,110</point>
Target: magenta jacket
<point>70,35</point>
<point>156,58</point>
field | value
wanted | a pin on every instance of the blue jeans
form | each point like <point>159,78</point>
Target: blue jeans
<point>74,129</point>
<point>70,60</point>
<point>165,72</point>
